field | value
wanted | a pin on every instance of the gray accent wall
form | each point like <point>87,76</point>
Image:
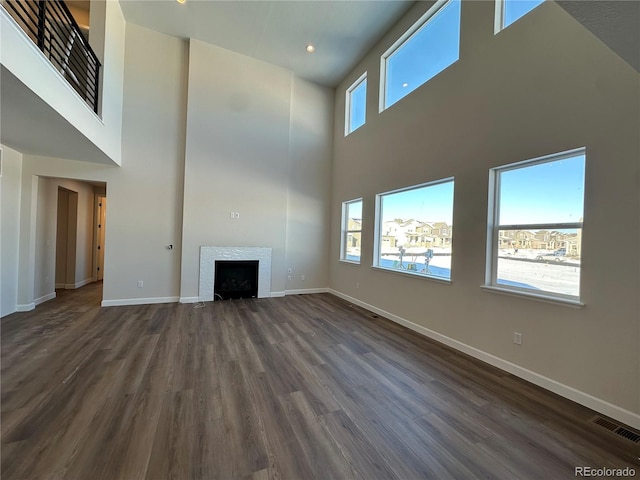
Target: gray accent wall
<point>543,85</point>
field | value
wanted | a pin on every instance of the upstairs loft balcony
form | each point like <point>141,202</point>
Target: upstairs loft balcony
<point>52,27</point>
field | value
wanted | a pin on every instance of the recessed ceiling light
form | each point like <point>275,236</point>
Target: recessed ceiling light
<point>310,48</point>
<point>181,1</point>
<point>405,84</point>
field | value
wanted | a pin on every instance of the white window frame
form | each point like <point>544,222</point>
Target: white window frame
<point>498,25</point>
<point>377,240</point>
<point>398,44</point>
<point>344,234</point>
<point>493,228</point>
<point>348,103</point>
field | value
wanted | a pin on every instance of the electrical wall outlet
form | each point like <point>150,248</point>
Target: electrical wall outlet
<point>302,277</point>
<point>140,284</point>
<point>517,338</point>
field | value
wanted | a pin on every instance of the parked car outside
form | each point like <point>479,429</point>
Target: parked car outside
<point>557,256</point>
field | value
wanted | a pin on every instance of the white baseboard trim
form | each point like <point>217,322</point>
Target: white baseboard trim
<point>26,307</point>
<point>630,418</point>
<point>278,294</point>
<point>305,291</point>
<point>189,299</point>
<point>44,298</point>
<point>138,301</point>
<point>73,286</point>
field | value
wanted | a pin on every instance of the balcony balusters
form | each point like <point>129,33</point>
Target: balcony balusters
<point>53,29</point>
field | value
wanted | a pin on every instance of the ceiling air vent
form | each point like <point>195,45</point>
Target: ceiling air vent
<point>617,429</point>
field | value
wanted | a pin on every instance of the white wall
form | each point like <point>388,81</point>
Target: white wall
<point>273,136</point>
<point>258,143</point>
<point>145,194</point>
<point>112,86</point>
<point>308,201</point>
<point>236,158</point>
<point>45,259</point>
<point>272,133</point>
<point>543,85</point>
<point>84,230</point>
<point>9,227</point>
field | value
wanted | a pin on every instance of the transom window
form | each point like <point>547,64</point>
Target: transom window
<point>508,11</point>
<point>350,247</point>
<point>414,229</point>
<point>356,105</point>
<point>427,48</point>
<point>535,225</point>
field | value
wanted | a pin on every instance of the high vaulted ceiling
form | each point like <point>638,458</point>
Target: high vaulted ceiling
<point>341,30</point>
<point>278,31</point>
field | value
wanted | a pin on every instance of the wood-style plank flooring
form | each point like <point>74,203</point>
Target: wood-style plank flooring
<point>301,387</point>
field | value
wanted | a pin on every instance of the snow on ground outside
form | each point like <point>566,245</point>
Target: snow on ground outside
<point>562,278</point>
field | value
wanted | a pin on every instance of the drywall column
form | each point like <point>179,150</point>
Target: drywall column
<point>10,186</point>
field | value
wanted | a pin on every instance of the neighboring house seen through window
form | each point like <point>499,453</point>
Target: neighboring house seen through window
<point>351,231</point>
<point>414,229</point>
<point>535,225</point>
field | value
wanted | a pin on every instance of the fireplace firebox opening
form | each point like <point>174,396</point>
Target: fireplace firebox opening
<point>235,279</point>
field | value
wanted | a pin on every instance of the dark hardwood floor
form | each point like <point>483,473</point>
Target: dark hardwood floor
<point>301,387</point>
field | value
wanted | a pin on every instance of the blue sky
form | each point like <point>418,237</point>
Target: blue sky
<point>358,106</point>
<point>428,52</point>
<point>514,9</point>
<point>551,192</point>
<point>355,210</point>
<point>433,203</point>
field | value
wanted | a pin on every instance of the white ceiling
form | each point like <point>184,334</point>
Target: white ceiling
<point>278,31</point>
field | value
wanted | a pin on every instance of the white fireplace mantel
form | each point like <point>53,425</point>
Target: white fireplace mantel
<point>209,255</point>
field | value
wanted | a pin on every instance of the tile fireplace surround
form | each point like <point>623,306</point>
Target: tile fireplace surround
<point>209,255</point>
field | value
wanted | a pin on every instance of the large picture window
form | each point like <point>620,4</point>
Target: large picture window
<point>414,229</point>
<point>351,231</point>
<point>508,11</point>
<point>356,105</point>
<point>427,48</point>
<point>535,225</point>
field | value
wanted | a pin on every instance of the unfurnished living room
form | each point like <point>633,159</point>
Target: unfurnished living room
<point>319,239</point>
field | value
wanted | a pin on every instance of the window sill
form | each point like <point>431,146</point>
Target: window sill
<point>414,274</point>
<point>566,302</point>
<point>349,262</point>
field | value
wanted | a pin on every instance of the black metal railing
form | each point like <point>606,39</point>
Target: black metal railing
<point>53,29</point>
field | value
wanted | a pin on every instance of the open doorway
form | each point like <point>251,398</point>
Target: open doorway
<point>67,238</point>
